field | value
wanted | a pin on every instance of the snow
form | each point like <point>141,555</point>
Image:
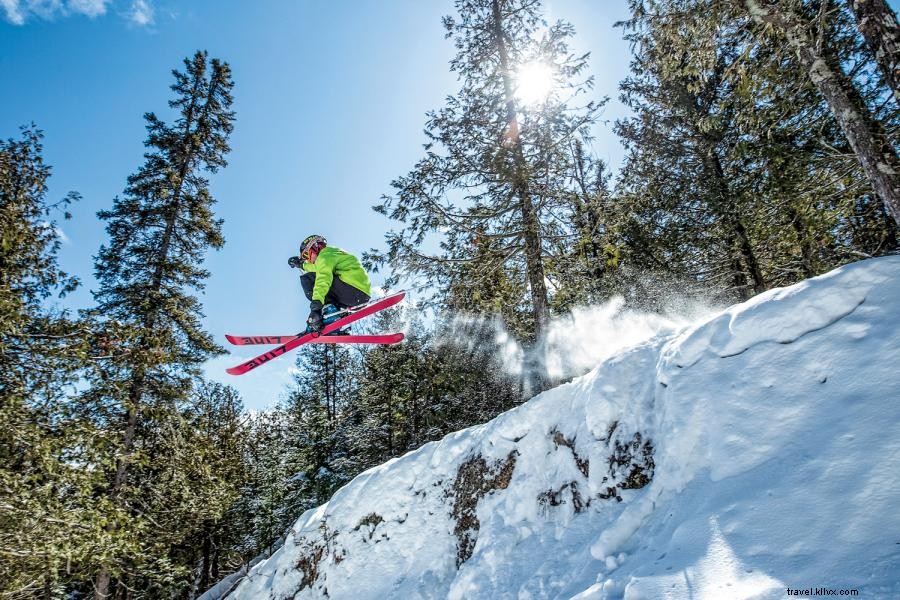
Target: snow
<point>774,432</point>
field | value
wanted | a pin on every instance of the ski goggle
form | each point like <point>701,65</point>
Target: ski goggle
<point>306,253</point>
<point>310,245</point>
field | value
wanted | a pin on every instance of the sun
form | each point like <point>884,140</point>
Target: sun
<point>534,82</point>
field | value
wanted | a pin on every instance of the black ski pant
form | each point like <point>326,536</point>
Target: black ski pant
<point>341,294</point>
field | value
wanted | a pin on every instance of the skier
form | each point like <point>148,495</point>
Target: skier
<point>334,279</point>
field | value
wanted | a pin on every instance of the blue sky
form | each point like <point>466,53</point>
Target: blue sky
<point>330,100</point>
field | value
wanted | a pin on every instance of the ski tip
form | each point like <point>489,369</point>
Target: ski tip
<point>233,339</point>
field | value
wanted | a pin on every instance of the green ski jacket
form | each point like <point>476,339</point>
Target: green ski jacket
<point>333,262</point>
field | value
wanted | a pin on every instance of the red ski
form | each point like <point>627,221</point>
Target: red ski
<point>246,340</point>
<point>384,338</point>
<point>355,315</point>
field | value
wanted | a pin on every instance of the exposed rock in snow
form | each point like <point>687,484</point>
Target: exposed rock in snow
<point>754,452</point>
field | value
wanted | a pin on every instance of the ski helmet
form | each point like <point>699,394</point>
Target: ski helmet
<point>312,245</point>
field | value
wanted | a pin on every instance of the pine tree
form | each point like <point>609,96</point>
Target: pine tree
<point>46,509</point>
<point>738,175</point>
<point>586,261</point>
<point>214,436</point>
<point>159,233</point>
<point>878,24</point>
<point>269,476</point>
<point>431,385</point>
<point>681,178</point>
<point>494,165</point>
<point>391,395</point>
<point>804,28</point>
<point>318,408</point>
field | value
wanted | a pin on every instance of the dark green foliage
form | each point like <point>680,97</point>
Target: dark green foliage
<point>683,208</point>
<point>258,515</point>
<point>159,233</point>
<point>46,509</point>
<point>585,261</point>
<point>441,379</point>
<point>214,439</point>
<point>317,410</point>
<point>737,174</point>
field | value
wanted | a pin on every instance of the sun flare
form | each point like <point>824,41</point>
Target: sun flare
<point>534,82</point>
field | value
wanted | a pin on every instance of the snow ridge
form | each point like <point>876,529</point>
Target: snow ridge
<point>745,455</point>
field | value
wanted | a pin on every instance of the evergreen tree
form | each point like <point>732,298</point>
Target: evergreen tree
<point>804,25</point>
<point>46,510</point>
<point>878,24</point>
<point>391,403</point>
<point>494,165</point>
<point>431,385</point>
<point>215,438</point>
<point>736,174</point>
<point>159,233</point>
<point>269,474</point>
<point>586,260</point>
<point>680,186</point>
<point>317,408</point>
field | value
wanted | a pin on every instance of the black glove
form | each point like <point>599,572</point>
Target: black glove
<point>294,262</point>
<point>315,320</point>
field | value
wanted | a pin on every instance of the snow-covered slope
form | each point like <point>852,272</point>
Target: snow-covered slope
<point>752,453</point>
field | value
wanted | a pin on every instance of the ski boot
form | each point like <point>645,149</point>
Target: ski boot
<point>330,315</point>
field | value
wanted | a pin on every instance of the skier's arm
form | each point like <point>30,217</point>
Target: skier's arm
<point>324,277</point>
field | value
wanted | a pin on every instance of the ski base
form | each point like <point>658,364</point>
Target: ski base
<point>383,338</point>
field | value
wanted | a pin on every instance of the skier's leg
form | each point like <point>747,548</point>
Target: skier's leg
<point>345,295</point>
<point>341,294</point>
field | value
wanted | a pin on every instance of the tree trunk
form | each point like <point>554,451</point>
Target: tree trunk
<point>875,154</point>
<point>736,269</point>
<point>49,576</point>
<point>102,582</point>
<point>136,392</point>
<point>738,238</point>
<point>521,186</point>
<point>890,232</point>
<point>531,228</point>
<point>806,247</point>
<point>878,25</point>
<point>101,585</point>
<point>749,256</point>
<point>217,546</point>
<point>204,573</point>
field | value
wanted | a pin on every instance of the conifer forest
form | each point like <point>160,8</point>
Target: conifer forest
<point>761,149</point>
